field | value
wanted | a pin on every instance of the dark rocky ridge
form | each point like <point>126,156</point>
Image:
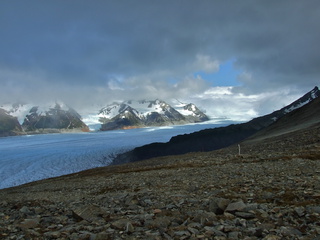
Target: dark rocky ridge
<point>212,139</point>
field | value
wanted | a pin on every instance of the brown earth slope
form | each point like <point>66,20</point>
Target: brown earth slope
<point>270,191</point>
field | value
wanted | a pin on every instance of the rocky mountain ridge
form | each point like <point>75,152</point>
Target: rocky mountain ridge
<point>29,119</point>
<point>133,114</point>
<point>9,125</point>
<point>212,139</point>
<point>58,117</point>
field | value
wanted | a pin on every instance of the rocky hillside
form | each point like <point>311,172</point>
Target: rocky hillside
<point>271,191</point>
<point>133,114</point>
<point>9,125</point>
<point>212,139</point>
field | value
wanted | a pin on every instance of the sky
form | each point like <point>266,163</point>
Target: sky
<point>238,59</point>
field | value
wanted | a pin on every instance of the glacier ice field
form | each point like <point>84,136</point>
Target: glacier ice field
<point>29,158</point>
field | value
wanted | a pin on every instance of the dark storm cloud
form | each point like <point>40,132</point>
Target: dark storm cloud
<point>93,48</point>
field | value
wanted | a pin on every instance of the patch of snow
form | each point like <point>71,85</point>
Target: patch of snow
<point>287,110</point>
<point>19,112</point>
<point>313,93</point>
<point>274,119</point>
<point>109,111</point>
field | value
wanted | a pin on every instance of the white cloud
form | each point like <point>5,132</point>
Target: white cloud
<point>110,51</point>
<point>114,85</point>
<point>205,63</point>
<point>226,102</point>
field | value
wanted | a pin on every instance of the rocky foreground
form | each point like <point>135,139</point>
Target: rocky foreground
<point>271,191</point>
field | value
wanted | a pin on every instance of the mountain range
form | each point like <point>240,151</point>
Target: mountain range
<point>216,138</point>
<point>133,114</point>
<point>17,119</point>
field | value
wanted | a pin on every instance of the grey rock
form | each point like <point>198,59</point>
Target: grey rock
<point>30,223</point>
<point>89,213</point>
<point>218,205</point>
<point>314,209</point>
<point>195,225</point>
<point>236,206</point>
<point>271,237</point>
<point>215,231</point>
<point>300,211</point>
<point>101,236</point>
<point>251,207</point>
<point>234,235</point>
<point>121,224</point>
<point>245,215</point>
<point>193,230</point>
<point>129,227</point>
<point>289,231</point>
<point>25,210</point>
<point>181,233</point>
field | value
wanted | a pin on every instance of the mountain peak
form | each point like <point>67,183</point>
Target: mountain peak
<point>306,98</point>
<point>43,118</point>
<point>148,113</point>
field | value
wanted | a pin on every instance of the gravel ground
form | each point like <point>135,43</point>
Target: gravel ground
<point>271,191</point>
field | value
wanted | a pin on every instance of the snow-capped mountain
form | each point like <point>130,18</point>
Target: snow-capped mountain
<point>308,97</point>
<point>131,114</point>
<point>305,99</point>
<point>51,117</point>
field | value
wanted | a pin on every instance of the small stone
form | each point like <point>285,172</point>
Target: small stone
<point>129,228</point>
<point>30,223</point>
<point>195,225</point>
<point>245,215</point>
<point>300,211</point>
<point>156,211</point>
<point>218,205</point>
<point>214,231</point>
<point>271,237</point>
<point>4,203</point>
<point>25,210</point>
<point>251,207</point>
<point>258,232</point>
<point>219,238</point>
<point>88,213</point>
<point>52,234</point>
<point>289,231</point>
<point>233,235</point>
<point>120,224</point>
<point>159,222</point>
<point>193,230</point>
<point>235,206</point>
<point>241,222</point>
<point>314,209</point>
<point>181,233</point>
<point>229,215</point>
<point>102,236</point>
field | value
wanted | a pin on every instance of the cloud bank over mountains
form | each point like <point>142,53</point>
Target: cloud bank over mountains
<point>87,52</point>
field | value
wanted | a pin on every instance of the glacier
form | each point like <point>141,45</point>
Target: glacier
<point>30,158</point>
